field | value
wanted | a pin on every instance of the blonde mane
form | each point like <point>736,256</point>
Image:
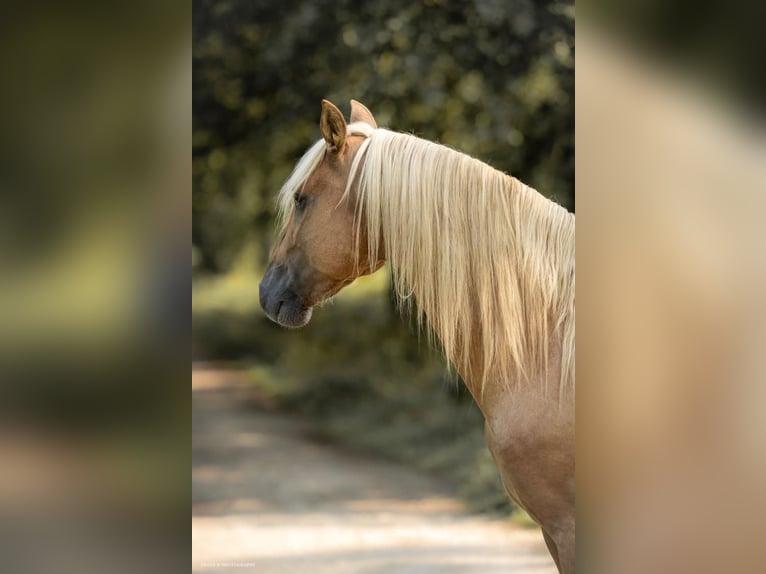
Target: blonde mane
<point>488,261</point>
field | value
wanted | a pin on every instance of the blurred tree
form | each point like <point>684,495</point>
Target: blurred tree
<point>492,78</point>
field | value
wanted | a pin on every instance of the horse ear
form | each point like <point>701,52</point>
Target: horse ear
<point>333,126</point>
<point>360,113</point>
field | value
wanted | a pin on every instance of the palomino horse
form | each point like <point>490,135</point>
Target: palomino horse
<point>489,263</point>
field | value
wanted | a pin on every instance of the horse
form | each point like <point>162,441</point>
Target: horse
<point>485,262</point>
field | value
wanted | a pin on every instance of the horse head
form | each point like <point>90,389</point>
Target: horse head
<point>317,252</point>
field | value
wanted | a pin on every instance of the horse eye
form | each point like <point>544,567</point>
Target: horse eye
<point>300,200</point>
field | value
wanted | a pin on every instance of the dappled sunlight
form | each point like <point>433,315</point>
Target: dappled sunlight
<point>249,439</point>
<point>216,474</point>
<point>424,505</point>
<point>324,544</point>
<point>269,496</point>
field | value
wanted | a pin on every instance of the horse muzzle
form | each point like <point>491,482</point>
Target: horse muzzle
<point>280,301</point>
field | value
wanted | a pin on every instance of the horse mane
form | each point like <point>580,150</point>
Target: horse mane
<point>488,261</point>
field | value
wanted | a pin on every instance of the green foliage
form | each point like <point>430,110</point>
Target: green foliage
<point>493,79</point>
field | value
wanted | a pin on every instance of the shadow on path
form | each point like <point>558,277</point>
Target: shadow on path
<point>266,498</point>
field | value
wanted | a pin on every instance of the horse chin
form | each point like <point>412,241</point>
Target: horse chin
<point>293,316</point>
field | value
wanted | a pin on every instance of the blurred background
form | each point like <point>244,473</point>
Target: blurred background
<point>492,79</point>
<point>671,141</point>
<point>94,285</point>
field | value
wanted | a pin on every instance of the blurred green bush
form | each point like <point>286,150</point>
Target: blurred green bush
<point>493,79</point>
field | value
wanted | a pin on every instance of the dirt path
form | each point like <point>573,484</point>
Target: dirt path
<point>268,499</point>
